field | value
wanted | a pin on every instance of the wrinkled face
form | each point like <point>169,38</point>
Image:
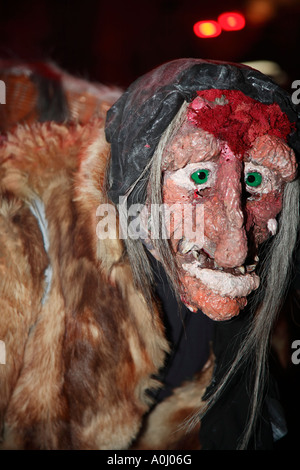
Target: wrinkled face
<point>237,173</point>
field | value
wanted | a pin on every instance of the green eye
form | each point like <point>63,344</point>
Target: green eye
<point>200,176</point>
<point>253,179</point>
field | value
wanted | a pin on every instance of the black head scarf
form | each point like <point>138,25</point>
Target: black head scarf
<point>137,120</point>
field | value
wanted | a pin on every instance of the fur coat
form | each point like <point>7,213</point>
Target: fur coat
<point>82,345</point>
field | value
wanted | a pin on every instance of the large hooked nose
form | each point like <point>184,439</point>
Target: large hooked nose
<point>231,247</point>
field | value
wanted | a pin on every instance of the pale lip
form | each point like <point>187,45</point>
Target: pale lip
<point>223,283</point>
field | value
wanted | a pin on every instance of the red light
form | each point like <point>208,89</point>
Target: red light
<point>231,21</point>
<point>207,29</point>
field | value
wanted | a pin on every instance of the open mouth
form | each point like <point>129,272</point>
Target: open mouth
<point>233,282</point>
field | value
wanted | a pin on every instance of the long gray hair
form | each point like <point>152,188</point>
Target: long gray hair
<point>266,303</point>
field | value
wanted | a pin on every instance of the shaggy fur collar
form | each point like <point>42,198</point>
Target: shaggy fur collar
<point>82,347</point>
<point>79,364</point>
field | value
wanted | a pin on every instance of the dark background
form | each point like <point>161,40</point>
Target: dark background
<point>115,41</point>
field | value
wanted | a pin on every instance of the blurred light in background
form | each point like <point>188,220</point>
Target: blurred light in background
<point>270,68</point>
<point>260,11</point>
<point>231,21</point>
<point>207,29</point>
<point>227,21</point>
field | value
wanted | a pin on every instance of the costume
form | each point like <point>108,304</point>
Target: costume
<point>39,91</point>
<point>89,357</point>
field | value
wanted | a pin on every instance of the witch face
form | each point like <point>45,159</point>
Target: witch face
<point>230,156</point>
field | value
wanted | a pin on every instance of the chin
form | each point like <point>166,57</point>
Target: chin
<point>197,296</point>
<point>221,293</point>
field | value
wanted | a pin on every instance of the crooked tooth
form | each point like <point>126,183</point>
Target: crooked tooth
<point>250,267</point>
<point>241,269</point>
<point>185,246</point>
<point>256,258</point>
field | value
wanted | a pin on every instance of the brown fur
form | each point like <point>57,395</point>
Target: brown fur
<point>86,357</point>
<point>22,263</point>
<point>167,427</point>
<point>83,99</point>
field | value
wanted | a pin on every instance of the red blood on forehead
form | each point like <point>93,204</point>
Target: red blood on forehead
<point>237,119</point>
